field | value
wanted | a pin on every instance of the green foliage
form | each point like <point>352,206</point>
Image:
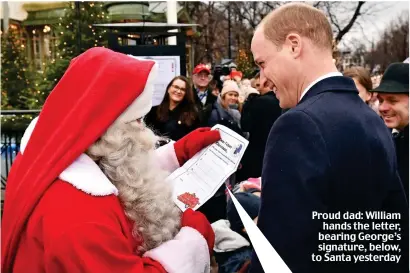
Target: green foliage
<point>69,46</point>
<point>16,80</point>
<point>15,123</point>
<point>245,63</point>
<point>20,89</point>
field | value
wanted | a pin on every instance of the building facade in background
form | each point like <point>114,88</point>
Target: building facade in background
<point>34,21</point>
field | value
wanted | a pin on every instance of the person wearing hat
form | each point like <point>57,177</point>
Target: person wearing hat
<point>204,98</point>
<point>225,109</point>
<point>87,192</point>
<point>393,96</point>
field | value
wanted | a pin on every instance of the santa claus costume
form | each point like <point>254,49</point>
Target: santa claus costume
<point>67,203</point>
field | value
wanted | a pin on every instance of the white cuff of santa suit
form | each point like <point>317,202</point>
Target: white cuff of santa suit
<point>187,253</point>
<point>166,157</point>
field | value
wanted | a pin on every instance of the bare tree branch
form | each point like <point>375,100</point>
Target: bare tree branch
<point>317,4</point>
<point>332,17</point>
<point>246,16</point>
<point>351,22</point>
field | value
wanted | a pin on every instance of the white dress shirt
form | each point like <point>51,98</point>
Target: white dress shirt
<point>328,75</point>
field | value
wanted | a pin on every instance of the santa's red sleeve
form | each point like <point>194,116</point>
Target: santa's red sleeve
<point>94,247</point>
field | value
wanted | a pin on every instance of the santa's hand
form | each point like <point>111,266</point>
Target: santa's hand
<point>191,144</point>
<point>198,221</point>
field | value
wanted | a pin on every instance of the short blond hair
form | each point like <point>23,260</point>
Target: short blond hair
<point>301,18</point>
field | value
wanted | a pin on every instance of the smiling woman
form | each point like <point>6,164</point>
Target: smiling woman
<point>225,109</point>
<point>177,114</point>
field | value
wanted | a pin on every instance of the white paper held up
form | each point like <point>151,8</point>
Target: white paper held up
<point>201,176</point>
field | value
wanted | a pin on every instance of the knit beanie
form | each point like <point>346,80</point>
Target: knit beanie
<point>250,203</point>
<point>229,86</point>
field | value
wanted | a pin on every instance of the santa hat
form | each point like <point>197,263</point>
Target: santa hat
<point>229,86</point>
<point>100,87</point>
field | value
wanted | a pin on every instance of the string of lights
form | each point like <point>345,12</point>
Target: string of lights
<point>15,66</point>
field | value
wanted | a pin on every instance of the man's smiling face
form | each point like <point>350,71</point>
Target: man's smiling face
<point>394,108</point>
<point>276,68</point>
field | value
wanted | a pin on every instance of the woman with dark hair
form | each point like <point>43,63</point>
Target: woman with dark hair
<point>177,115</point>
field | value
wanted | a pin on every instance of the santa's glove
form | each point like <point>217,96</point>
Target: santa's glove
<point>198,221</point>
<point>191,144</point>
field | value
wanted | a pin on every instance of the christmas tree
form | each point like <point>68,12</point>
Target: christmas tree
<point>245,63</point>
<point>16,82</point>
<point>17,92</point>
<point>76,34</point>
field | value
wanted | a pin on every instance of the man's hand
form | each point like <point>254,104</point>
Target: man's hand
<point>191,144</point>
<point>198,221</point>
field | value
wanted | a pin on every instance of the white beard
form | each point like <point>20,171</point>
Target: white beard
<point>125,153</point>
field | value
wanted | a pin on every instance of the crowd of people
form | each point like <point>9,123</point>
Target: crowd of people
<point>319,140</point>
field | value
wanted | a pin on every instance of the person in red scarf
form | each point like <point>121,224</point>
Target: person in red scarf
<point>88,191</point>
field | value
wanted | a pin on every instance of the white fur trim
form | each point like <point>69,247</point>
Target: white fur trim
<point>225,238</point>
<point>187,253</point>
<point>143,103</point>
<point>83,173</point>
<point>166,157</point>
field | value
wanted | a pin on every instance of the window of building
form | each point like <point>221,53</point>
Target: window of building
<point>37,56</point>
<point>50,44</point>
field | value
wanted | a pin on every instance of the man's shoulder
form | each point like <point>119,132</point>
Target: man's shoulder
<point>294,121</point>
<point>336,105</point>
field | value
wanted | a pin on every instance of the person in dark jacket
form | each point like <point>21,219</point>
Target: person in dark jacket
<point>393,95</point>
<point>216,87</point>
<point>177,115</point>
<point>203,96</point>
<point>329,153</point>
<point>258,115</point>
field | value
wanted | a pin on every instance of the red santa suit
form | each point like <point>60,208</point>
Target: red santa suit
<point>61,212</point>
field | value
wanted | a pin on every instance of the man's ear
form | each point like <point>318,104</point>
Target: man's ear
<point>294,43</point>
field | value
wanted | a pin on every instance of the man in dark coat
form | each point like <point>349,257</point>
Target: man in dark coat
<point>258,115</point>
<point>204,98</point>
<point>329,153</point>
<point>393,95</point>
